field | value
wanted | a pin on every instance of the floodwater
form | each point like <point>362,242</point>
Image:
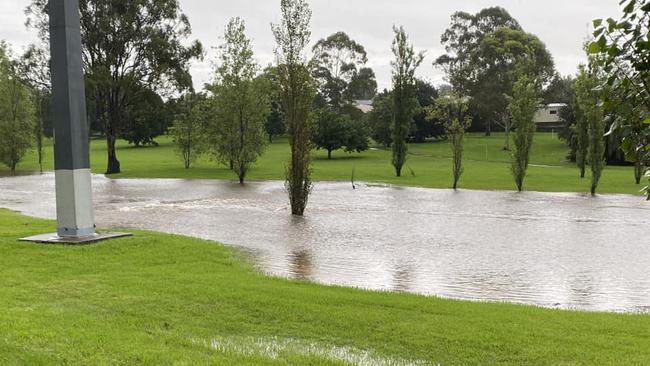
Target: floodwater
<point>562,250</point>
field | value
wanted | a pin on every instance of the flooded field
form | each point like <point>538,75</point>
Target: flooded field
<point>562,250</point>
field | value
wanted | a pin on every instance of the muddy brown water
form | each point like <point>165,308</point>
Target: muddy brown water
<point>563,250</point>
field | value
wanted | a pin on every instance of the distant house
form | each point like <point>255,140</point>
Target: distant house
<point>548,118</point>
<point>364,106</point>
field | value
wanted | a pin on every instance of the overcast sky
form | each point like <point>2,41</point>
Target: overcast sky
<point>562,25</point>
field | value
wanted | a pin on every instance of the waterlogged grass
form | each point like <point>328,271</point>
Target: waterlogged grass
<point>161,299</point>
<point>486,165</point>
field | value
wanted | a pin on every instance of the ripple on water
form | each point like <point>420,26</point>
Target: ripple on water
<point>562,250</point>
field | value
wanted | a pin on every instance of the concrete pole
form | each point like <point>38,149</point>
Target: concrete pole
<point>74,204</point>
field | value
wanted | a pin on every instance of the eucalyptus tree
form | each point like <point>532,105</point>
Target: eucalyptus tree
<point>128,47</point>
<point>405,103</point>
<point>337,61</point>
<point>522,105</point>
<point>241,102</point>
<point>297,92</point>
<point>483,50</point>
<point>588,96</point>
<point>453,110</point>
<point>17,112</point>
<point>362,86</point>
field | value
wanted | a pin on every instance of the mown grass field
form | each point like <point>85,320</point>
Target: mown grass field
<point>429,165</point>
<point>159,299</point>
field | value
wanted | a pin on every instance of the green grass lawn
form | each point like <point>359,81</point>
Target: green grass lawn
<point>428,165</point>
<point>160,299</point>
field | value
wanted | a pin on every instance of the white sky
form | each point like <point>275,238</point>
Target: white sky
<point>562,25</point>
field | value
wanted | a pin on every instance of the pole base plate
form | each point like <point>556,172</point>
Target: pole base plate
<point>53,238</point>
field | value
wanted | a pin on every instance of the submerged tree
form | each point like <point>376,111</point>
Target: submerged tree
<point>404,94</point>
<point>452,109</point>
<point>522,106</point>
<point>296,93</point>
<point>241,102</point>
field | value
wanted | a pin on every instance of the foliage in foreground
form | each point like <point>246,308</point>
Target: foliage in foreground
<point>620,49</point>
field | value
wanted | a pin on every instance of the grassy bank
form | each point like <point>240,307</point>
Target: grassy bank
<point>429,165</point>
<point>161,299</point>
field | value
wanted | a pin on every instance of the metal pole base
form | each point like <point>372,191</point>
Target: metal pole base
<point>54,238</point>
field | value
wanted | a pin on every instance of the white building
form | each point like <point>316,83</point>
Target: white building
<point>364,106</point>
<point>548,118</point>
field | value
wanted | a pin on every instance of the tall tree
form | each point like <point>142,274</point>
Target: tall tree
<point>128,47</point>
<point>405,103</point>
<point>241,101</point>
<point>34,70</point>
<point>580,129</point>
<point>591,114</point>
<point>522,106</point>
<point>483,50</point>
<point>188,127</point>
<point>453,110</point>
<point>297,92</point>
<point>337,59</point>
<point>16,112</point>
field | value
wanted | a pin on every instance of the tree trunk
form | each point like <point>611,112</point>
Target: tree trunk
<point>329,154</point>
<point>506,143</point>
<point>13,168</point>
<point>638,170</point>
<point>488,128</point>
<point>113,164</point>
